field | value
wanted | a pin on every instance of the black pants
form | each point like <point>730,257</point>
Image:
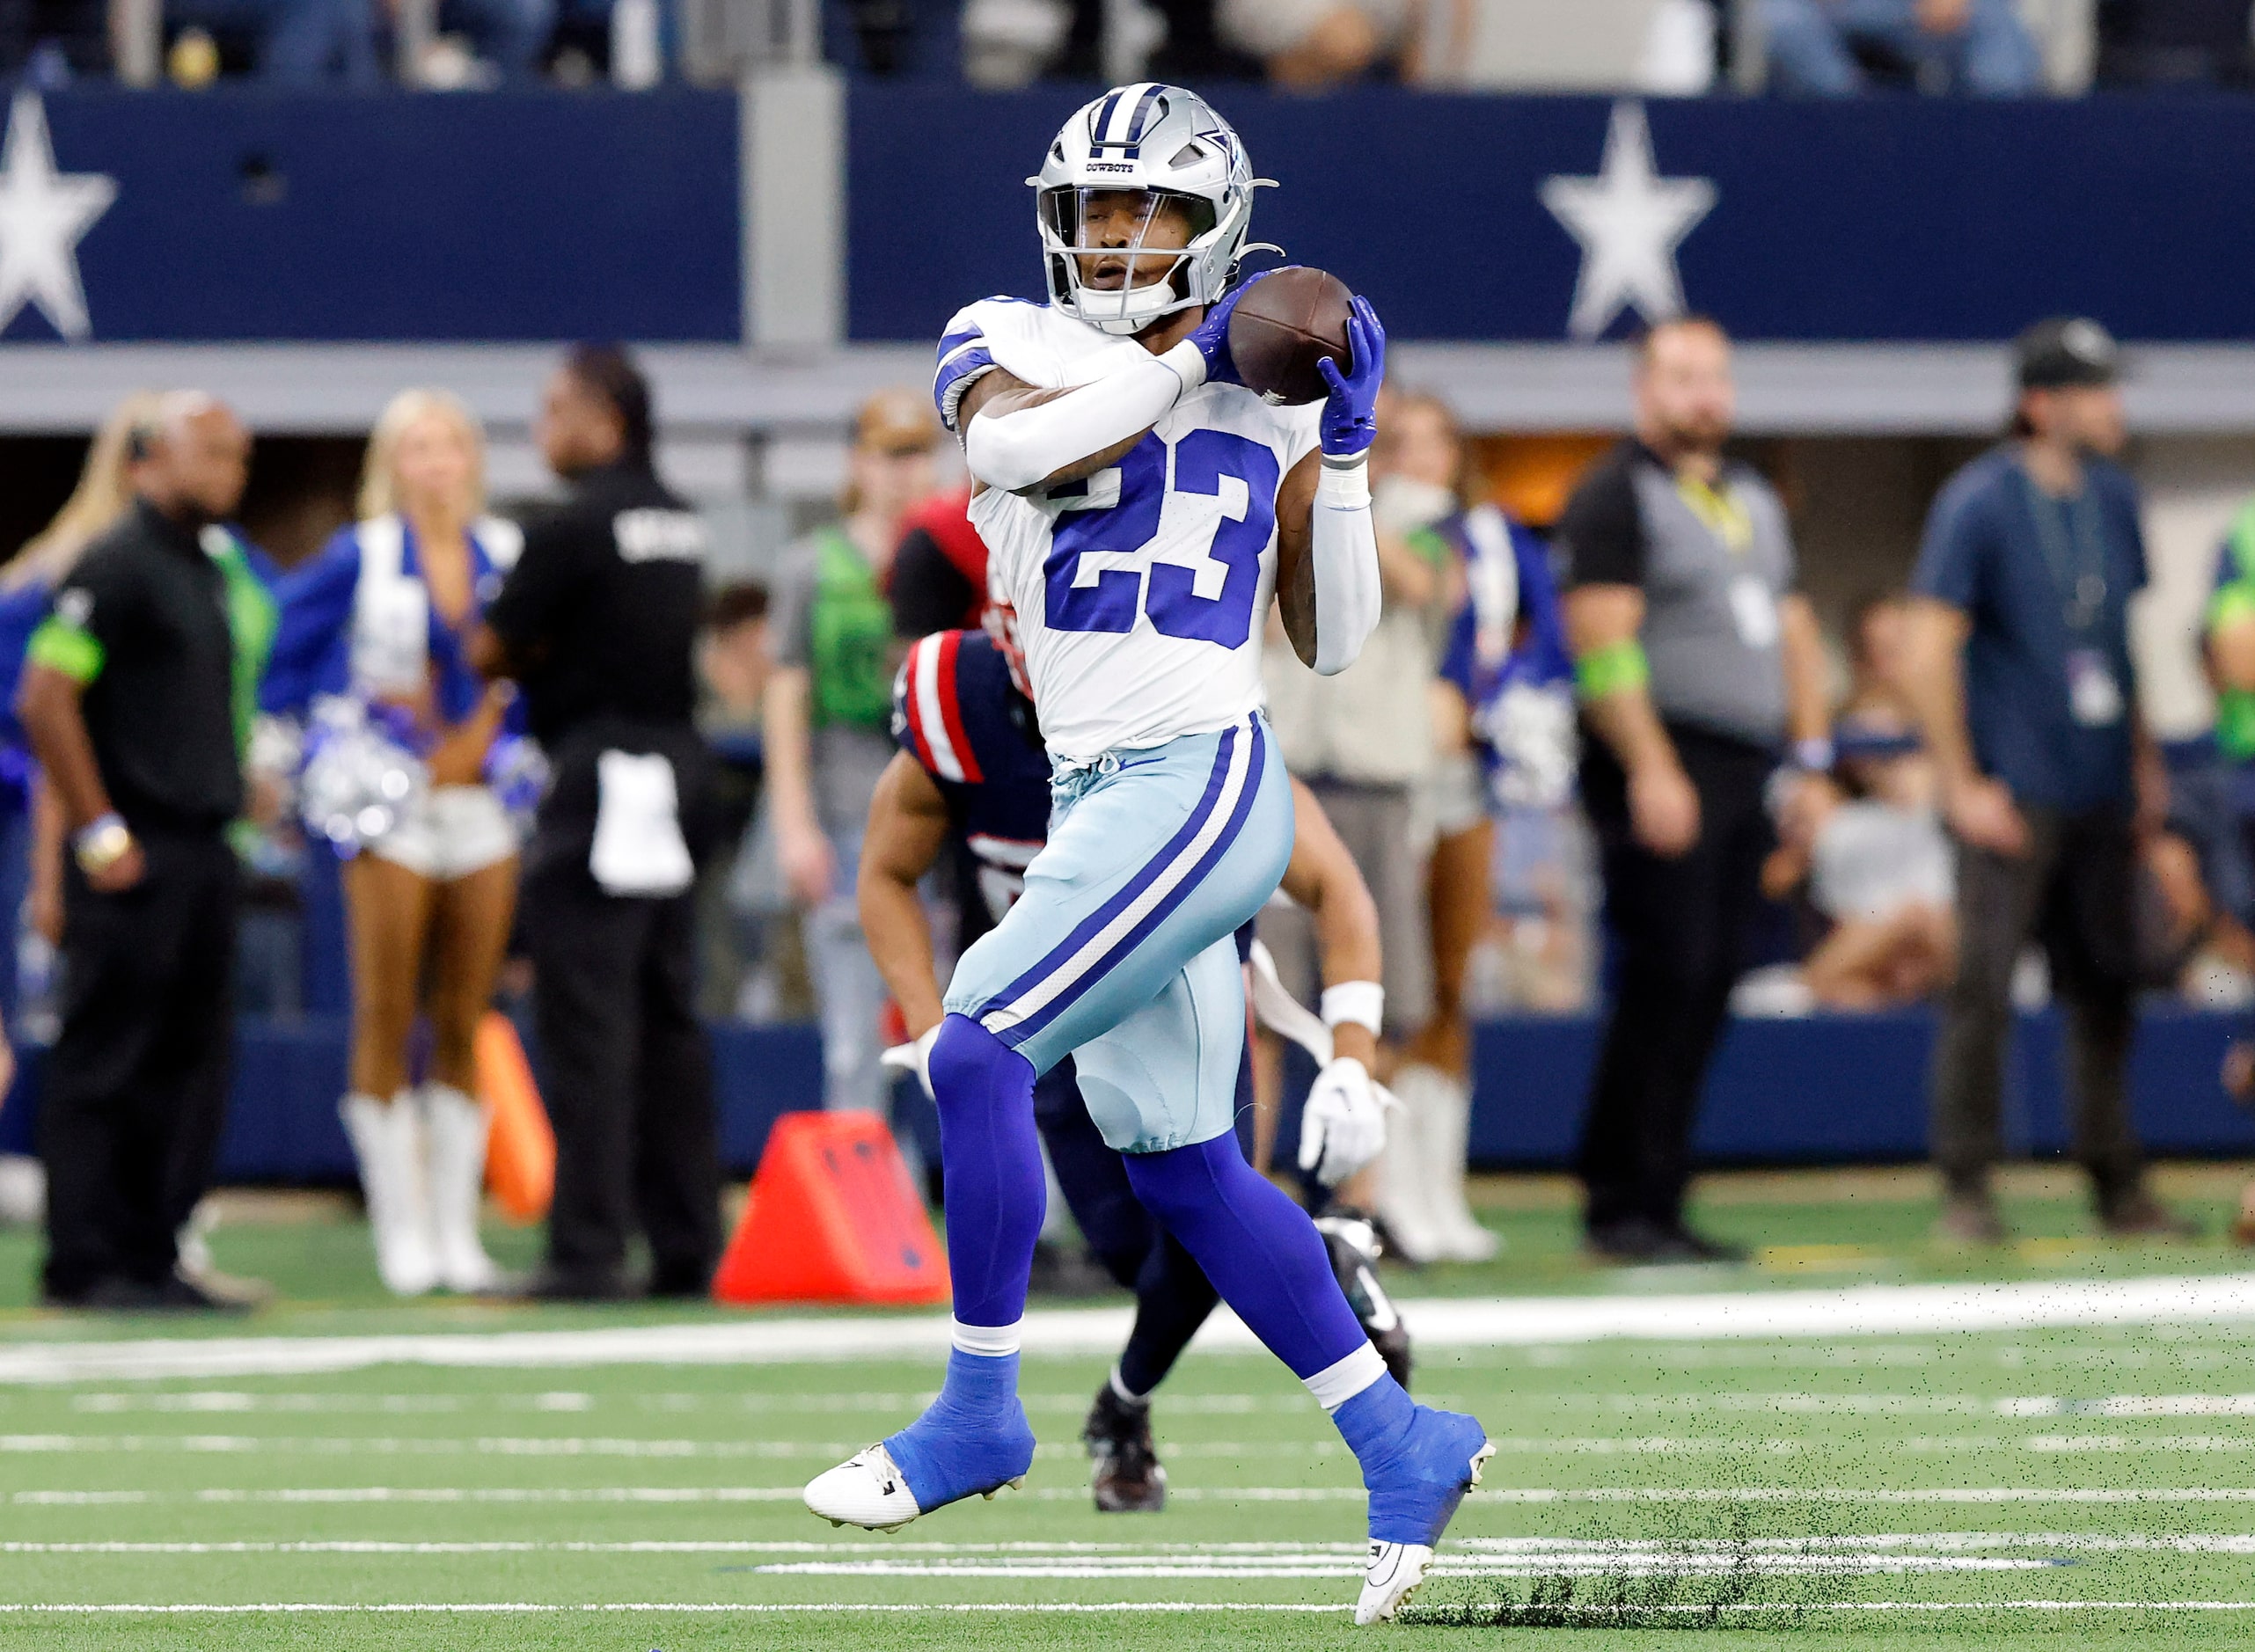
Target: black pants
<point>627,1077</point>
<point>2073,892</point>
<point>136,1085</point>
<point>1680,926</point>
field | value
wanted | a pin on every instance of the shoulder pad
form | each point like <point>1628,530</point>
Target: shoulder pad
<point>928,719</point>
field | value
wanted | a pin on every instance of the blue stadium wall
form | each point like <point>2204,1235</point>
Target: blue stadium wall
<point>541,216</point>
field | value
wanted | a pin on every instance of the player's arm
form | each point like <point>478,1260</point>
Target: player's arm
<point>1328,584</point>
<point>908,825</point>
<point>1020,438</point>
<point>1343,1126</point>
<point>1613,683</point>
<point>1322,877</point>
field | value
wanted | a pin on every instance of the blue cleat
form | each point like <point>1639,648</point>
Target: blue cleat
<point>973,1439</point>
<point>1416,1464</point>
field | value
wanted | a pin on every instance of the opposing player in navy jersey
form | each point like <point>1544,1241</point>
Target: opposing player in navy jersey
<point>971,764</point>
<point>1142,508</point>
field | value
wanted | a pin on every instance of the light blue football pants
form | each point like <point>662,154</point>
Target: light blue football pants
<point>1119,952</point>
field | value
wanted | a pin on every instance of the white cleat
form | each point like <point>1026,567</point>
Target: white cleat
<point>1395,1571</point>
<point>866,1491</point>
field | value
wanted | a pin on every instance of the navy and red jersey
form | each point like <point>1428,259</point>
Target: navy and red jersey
<point>956,712</point>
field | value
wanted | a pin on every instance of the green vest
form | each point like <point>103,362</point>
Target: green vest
<point>851,633</point>
<point>253,617</point>
<point>2235,600</point>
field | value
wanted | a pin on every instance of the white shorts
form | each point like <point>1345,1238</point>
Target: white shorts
<point>454,831</point>
<point>1268,28</point>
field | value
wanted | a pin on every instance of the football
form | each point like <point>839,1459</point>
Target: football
<point>1287,322</point>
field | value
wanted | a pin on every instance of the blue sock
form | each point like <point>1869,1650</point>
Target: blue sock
<point>972,1439</point>
<point>992,1158</point>
<point>1415,1460</point>
<point>1259,1248</point>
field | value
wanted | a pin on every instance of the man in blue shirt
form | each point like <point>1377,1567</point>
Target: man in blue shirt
<point>2019,668</point>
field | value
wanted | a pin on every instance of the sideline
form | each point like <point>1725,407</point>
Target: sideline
<point>1435,1322</point>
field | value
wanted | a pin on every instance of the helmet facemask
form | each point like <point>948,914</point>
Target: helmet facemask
<point>1086,231</point>
<point>1122,168</point>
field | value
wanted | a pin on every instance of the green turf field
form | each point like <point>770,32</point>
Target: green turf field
<point>2038,1487</point>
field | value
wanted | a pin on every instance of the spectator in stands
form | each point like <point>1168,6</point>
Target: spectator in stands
<point>1699,664</point>
<point>598,622</point>
<point>294,43</point>
<point>129,696</point>
<point>1308,45</point>
<point>1819,48</point>
<point>2020,671</point>
<point>828,718</point>
<point>1878,870</point>
<point>1362,741</point>
<point>379,618</point>
<point>2174,43</point>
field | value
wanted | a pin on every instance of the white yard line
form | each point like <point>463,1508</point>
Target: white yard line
<point>1063,1608</point>
<point>1435,1322</point>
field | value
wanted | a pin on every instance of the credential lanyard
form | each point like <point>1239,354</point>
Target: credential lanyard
<point>2075,550</point>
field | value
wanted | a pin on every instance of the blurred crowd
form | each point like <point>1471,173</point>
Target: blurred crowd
<point>1910,849</point>
<point>1792,47</point>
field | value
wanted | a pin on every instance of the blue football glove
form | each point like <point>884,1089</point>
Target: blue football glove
<point>1211,335</point>
<point>1350,412</point>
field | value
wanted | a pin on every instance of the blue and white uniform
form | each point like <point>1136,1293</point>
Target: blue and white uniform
<point>1507,654</point>
<point>357,621</point>
<point>1139,598</point>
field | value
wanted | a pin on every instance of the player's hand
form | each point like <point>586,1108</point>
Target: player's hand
<point>1350,412</point>
<point>809,866</point>
<point>1804,802</point>
<point>1343,1127</point>
<point>1664,810</point>
<point>121,873</point>
<point>1211,335</point>
<point>1982,814</point>
<point>915,1058</point>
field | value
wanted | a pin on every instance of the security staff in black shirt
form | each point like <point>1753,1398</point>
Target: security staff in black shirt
<point>127,695</point>
<point>598,623</point>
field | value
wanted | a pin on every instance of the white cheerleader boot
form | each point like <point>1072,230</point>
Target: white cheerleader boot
<point>1401,1202</point>
<point>1444,1105</point>
<point>458,1127</point>
<point>387,1140</point>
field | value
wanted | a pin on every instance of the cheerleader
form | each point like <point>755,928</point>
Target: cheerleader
<point>379,619</point>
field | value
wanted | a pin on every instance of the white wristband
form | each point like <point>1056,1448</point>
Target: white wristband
<point>1343,484</point>
<point>1361,1002</point>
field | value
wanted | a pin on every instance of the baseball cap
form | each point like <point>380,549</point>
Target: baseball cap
<point>2067,350</point>
<point>897,422</point>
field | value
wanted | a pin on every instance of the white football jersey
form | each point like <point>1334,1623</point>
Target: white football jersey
<point>1142,593</point>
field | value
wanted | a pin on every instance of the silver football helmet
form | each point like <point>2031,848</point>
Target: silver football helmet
<point>1111,172</point>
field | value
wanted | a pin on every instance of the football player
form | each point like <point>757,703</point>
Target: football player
<point>972,765</point>
<point>1142,508</point>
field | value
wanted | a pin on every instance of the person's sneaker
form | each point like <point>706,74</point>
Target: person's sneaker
<point>1970,1218</point>
<point>1352,1239</point>
<point>179,1294</point>
<point>867,1490</point>
<point>1698,1247</point>
<point>108,1296</point>
<point>2141,1216</point>
<point>1633,1240</point>
<point>1124,1470</point>
<point>1415,1489</point>
<point>552,1283</point>
<point>973,1440</point>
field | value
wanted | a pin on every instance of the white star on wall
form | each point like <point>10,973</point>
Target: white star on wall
<point>43,213</point>
<point>1629,221</point>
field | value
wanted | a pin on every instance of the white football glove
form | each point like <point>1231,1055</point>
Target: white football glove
<point>914,1057</point>
<point>1343,1127</point>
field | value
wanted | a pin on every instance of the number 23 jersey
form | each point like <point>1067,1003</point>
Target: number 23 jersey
<point>1140,594</point>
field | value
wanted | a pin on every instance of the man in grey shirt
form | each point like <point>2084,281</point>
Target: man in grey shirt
<point>1698,666</point>
<point>827,723</point>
